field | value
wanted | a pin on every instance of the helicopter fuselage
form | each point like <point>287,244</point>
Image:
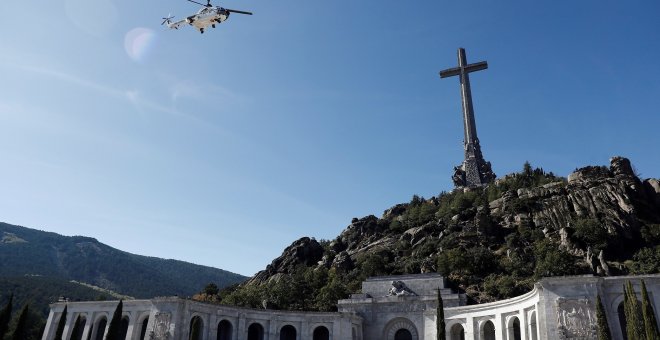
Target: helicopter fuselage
<point>208,16</point>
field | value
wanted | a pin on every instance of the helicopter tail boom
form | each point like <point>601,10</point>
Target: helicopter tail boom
<point>240,12</point>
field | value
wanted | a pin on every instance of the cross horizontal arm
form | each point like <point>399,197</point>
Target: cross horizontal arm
<point>450,72</point>
<point>482,65</point>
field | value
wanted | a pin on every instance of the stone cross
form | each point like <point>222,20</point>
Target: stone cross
<point>474,171</point>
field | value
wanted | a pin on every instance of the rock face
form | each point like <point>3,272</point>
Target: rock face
<point>608,195</point>
<point>492,242</point>
<point>305,251</point>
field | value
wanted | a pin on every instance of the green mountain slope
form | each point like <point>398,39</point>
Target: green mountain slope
<point>40,291</point>
<point>491,243</point>
<point>25,251</point>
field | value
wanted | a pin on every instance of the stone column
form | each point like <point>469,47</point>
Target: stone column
<point>241,330</point>
<point>213,326</point>
<point>88,325</point>
<point>304,331</point>
<point>131,326</point>
<point>49,331</point>
<point>500,327</point>
<point>471,330</point>
<point>272,328</point>
<point>523,324</point>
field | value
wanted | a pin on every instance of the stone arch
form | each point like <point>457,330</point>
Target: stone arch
<point>100,327</point>
<point>513,328</point>
<point>398,324</point>
<point>487,330</point>
<point>457,332</point>
<point>225,330</point>
<point>288,332</point>
<point>533,328</point>
<point>354,334</point>
<point>143,327</point>
<point>622,320</point>
<point>123,327</point>
<point>196,330</point>
<point>255,331</point>
<point>321,333</point>
<point>402,334</point>
<point>78,327</point>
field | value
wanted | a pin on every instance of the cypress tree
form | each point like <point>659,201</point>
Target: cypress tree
<point>20,332</point>
<point>114,329</point>
<point>634,322</point>
<point>76,329</point>
<point>5,316</point>
<point>61,324</point>
<point>440,319</point>
<point>650,324</point>
<point>603,328</point>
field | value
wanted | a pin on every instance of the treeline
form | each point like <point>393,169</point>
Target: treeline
<point>20,325</point>
<point>40,291</point>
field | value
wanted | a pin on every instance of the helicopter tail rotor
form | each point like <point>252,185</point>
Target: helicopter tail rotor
<point>167,20</point>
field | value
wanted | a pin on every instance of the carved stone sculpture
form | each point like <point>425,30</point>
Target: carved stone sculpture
<point>400,289</point>
<point>161,330</point>
<point>576,319</point>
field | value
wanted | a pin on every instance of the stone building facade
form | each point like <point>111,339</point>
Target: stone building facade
<point>389,308</point>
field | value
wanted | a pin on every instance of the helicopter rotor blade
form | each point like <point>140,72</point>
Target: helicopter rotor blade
<point>199,3</point>
<point>240,12</point>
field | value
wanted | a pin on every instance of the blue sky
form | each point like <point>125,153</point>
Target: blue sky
<point>223,148</point>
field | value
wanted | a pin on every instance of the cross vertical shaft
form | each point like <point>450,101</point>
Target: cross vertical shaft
<point>474,171</point>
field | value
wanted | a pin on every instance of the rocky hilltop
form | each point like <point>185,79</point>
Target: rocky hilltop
<point>491,242</point>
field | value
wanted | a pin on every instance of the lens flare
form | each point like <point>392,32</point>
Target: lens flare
<point>138,42</point>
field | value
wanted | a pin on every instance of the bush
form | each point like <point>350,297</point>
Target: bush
<point>590,232</point>
<point>646,261</point>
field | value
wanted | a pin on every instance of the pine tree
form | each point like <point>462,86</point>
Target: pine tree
<point>634,322</point>
<point>61,324</point>
<point>650,324</point>
<point>20,332</point>
<point>114,329</point>
<point>440,319</point>
<point>603,328</point>
<point>5,316</point>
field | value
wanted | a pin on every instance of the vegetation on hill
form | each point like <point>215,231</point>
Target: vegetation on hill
<point>491,243</point>
<point>27,251</point>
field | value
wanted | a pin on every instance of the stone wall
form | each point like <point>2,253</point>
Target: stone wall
<point>557,308</point>
<point>171,318</point>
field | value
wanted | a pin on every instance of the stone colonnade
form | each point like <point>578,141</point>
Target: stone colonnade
<point>389,308</point>
<point>511,319</point>
<point>557,308</point>
<point>175,318</point>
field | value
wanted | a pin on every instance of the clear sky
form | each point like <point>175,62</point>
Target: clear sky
<point>223,148</point>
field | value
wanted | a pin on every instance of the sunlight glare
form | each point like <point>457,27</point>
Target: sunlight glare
<point>138,42</point>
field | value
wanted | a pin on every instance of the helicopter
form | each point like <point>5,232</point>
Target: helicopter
<point>209,15</point>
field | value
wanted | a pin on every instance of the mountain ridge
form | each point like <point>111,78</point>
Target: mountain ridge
<point>26,251</point>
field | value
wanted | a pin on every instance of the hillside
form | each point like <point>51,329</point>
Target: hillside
<point>25,251</point>
<point>491,243</point>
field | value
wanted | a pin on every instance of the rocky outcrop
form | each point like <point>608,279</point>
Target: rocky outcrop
<point>495,231</point>
<point>593,192</point>
<point>305,251</point>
